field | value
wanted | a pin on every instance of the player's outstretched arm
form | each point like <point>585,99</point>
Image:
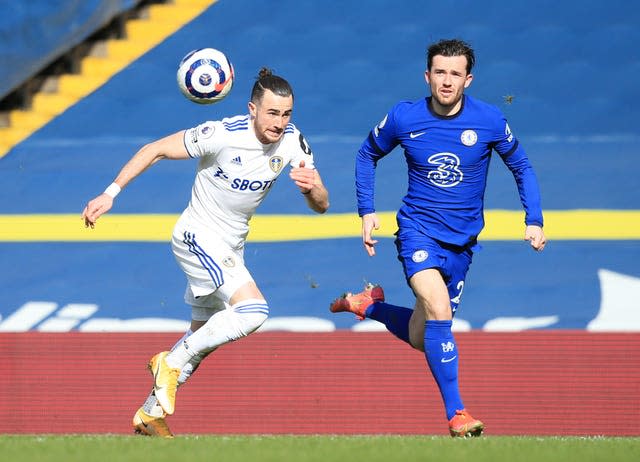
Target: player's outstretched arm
<point>311,186</point>
<point>535,235</point>
<point>170,147</point>
<point>370,222</point>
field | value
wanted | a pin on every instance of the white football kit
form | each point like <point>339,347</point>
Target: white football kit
<point>235,172</point>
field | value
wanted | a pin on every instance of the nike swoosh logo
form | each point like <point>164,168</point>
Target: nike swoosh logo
<point>444,360</point>
<point>155,381</point>
<point>415,135</point>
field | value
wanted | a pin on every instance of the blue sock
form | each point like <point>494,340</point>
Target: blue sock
<point>396,318</point>
<point>442,356</point>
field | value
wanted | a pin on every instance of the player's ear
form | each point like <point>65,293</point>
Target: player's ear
<point>468,80</point>
<point>252,109</point>
<point>427,76</point>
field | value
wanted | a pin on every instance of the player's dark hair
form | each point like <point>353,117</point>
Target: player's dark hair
<point>267,80</point>
<point>453,47</point>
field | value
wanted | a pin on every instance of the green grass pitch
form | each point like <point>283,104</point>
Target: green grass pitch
<point>321,448</point>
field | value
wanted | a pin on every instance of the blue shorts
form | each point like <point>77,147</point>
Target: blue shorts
<point>418,252</point>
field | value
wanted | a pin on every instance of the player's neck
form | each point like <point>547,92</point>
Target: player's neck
<point>445,110</point>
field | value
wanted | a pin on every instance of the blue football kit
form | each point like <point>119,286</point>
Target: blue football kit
<point>448,161</point>
<point>442,213</point>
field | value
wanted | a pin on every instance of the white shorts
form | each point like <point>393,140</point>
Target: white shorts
<point>214,270</point>
<point>211,306</point>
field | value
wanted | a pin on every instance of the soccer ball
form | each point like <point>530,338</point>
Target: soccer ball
<point>205,76</point>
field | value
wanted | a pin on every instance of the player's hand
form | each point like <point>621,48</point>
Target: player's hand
<point>370,223</point>
<point>95,208</point>
<point>303,177</point>
<point>535,236</point>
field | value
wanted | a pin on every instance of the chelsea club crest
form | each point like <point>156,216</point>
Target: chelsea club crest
<point>469,137</point>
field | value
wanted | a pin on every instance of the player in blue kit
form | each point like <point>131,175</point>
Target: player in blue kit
<point>447,140</point>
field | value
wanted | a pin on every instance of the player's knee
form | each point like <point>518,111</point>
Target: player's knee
<point>251,314</point>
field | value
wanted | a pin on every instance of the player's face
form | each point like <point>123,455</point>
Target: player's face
<point>447,79</point>
<point>270,116</point>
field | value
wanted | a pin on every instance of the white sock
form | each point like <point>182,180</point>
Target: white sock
<point>186,335</point>
<point>152,407</point>
<point>192,365</point>
<point>180,356</point>
<point>223,327</point>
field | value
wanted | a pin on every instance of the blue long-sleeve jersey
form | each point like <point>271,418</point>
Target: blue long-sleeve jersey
<point>448,161</point>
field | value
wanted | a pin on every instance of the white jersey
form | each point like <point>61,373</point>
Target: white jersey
<point>235,173</point>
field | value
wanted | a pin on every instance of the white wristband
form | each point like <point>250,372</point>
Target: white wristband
<point>113,190</point>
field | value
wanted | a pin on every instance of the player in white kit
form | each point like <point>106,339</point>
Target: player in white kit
<point>240,158</point>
